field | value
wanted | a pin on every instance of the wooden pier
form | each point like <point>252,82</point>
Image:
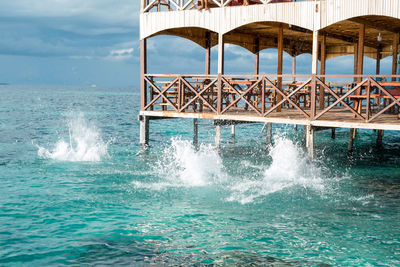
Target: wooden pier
<point>325,29</point>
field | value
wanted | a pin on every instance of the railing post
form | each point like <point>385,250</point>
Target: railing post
<point>180,96</point>
<point>368,92</point>
<point>219,94</point>
<point>313,96</point>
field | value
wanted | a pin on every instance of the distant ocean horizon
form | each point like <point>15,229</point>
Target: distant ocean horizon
<point>75,188</point>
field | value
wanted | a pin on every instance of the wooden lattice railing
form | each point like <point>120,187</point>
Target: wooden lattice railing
<point>310,97</point>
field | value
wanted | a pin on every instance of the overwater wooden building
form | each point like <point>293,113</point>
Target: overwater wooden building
<point>325,29</point>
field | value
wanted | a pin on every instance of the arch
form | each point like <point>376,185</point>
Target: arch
<point>261,35</point>
<point>341,10</point>
<point>194,34</point>
<point>342,35</point>
<point>287,13</point>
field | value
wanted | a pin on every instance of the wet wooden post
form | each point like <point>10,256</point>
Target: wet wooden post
<point>144,131</point>
<point>268,133</point>
<point>195,132</point>
<point>233,131</point>
<point>310,140</point>
<point>218,135</point>
<point>280,66</point>
<point>322,71</point>
<point>352,136</point>
<point>379,138</point>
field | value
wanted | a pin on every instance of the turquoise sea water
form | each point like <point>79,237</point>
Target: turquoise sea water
<point>75,189</point>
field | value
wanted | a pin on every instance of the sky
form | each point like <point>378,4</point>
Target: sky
<point>85,42</point>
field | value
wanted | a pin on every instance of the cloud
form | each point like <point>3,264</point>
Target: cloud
<point>121,54</point>
<point>67,28</point>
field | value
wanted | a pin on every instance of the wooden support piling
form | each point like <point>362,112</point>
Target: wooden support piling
<point>144,131</point>
<point>218,135</point>
<point>195,132</point>
<point>268,133</point>
<point>233,131</point>
<point>351,140</point>
<point>379,138</point>
<point>310,140</point>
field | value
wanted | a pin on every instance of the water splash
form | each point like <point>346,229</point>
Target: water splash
<point>289,168</point>
<point>182,165</point>
<point>84,143</point>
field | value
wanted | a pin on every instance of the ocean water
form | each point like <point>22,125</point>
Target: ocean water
<point>75,189</point>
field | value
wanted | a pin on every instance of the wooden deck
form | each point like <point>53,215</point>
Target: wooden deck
<point>338,118</point>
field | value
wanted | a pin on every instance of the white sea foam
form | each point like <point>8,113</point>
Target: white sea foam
<point>84,143</point>
<point>289,168</point>
<point>182,165</point>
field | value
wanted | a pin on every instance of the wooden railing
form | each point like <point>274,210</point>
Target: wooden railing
<point>178,5</point>
<point>310,97</point>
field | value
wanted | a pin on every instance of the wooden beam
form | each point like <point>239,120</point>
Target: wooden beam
<point>375,25</point>
<point>208,54</point>
<point>395,47</point>
<point>143,71</point>
<point>280,65</point>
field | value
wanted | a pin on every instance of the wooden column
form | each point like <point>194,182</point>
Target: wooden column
<point>280,65</point>
<point>360,52</point>
<point>208,54</point>
<point>294,66</point>
<point>394,60</point>
<point>257,56</point>
<point>314,71</point>
<point>322,71</point>
<point>355,59</point>
<point>221,53</point>
<point>378,60</point>
<point>143,71</point>
<point>315,53</point>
